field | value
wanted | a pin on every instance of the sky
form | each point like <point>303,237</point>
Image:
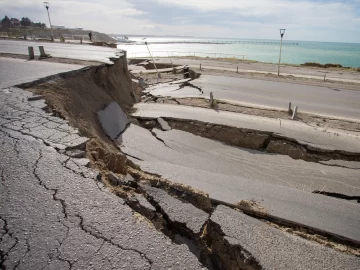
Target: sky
<point>316,20</point>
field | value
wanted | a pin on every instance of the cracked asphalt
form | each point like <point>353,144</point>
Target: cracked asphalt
<point>54,214</point>
<point>264,244</point>
<point>228,174</point>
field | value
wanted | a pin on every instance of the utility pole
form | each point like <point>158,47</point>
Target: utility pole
<point>282,32</point>
<point>47,5</point>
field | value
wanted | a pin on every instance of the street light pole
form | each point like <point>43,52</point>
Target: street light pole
<point>282,32</point>
<point>47,5</point>
<point>158,74</point>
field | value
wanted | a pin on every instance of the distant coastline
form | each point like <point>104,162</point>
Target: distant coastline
<point>165,36</point>
<point>265,51</point>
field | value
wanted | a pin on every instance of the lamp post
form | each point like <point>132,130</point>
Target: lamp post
<point>47,5</point>
<point>282,32</point>
<point>158,74</point>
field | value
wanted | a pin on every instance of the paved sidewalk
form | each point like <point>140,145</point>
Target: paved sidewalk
<point>18,71</point>
<point>62,50</point>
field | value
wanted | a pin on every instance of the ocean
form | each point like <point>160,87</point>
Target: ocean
<point>293,52</point>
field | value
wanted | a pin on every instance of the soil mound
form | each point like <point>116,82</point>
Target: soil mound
<point>313,64</point>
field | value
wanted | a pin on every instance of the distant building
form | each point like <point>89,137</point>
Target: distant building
<point>14,23</point>
<point>76,28</point>
<point>58,27</point>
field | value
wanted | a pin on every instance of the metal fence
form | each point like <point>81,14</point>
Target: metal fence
<point>184,54</point>
<point>221,42</point>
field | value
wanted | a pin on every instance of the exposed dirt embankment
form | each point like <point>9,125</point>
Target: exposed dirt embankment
<point>78,96</point>
<point>314,64</point>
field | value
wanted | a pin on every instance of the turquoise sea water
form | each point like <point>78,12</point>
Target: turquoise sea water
<point>346,54</point>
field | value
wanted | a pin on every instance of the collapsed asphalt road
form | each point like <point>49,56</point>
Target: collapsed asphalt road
<point>55,214</point>
<point>278,183</point>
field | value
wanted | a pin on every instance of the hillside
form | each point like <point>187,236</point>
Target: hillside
<point>67,33</point>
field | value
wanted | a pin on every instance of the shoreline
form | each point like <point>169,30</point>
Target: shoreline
<point>328,66</point>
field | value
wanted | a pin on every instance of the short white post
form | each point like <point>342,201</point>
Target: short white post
<point>211,99</point>
<point>237,69</point>
<point>31,53</point>
<point>42,51</point>
<point>289,110</point>
<point>294,113</point>
<point>324,77</point>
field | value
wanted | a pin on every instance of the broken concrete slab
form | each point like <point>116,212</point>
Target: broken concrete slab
<point>164,125</point>
<point>141,205</point>
<point>80,166</point>
<point>74,153</point>
<point>176,210</point>
<point>113,178</point>
<point>79,142</point>
<point>269,248</point>
<point>128,180</point>
<point>113,120</point>
<point>84,162</point>
<point>117,180</point>
<point>35,98</point>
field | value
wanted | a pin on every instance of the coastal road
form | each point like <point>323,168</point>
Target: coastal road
<point>56,214</point>
<point>318,100</point>
<point>18,71</point>
<point>62,50</point>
